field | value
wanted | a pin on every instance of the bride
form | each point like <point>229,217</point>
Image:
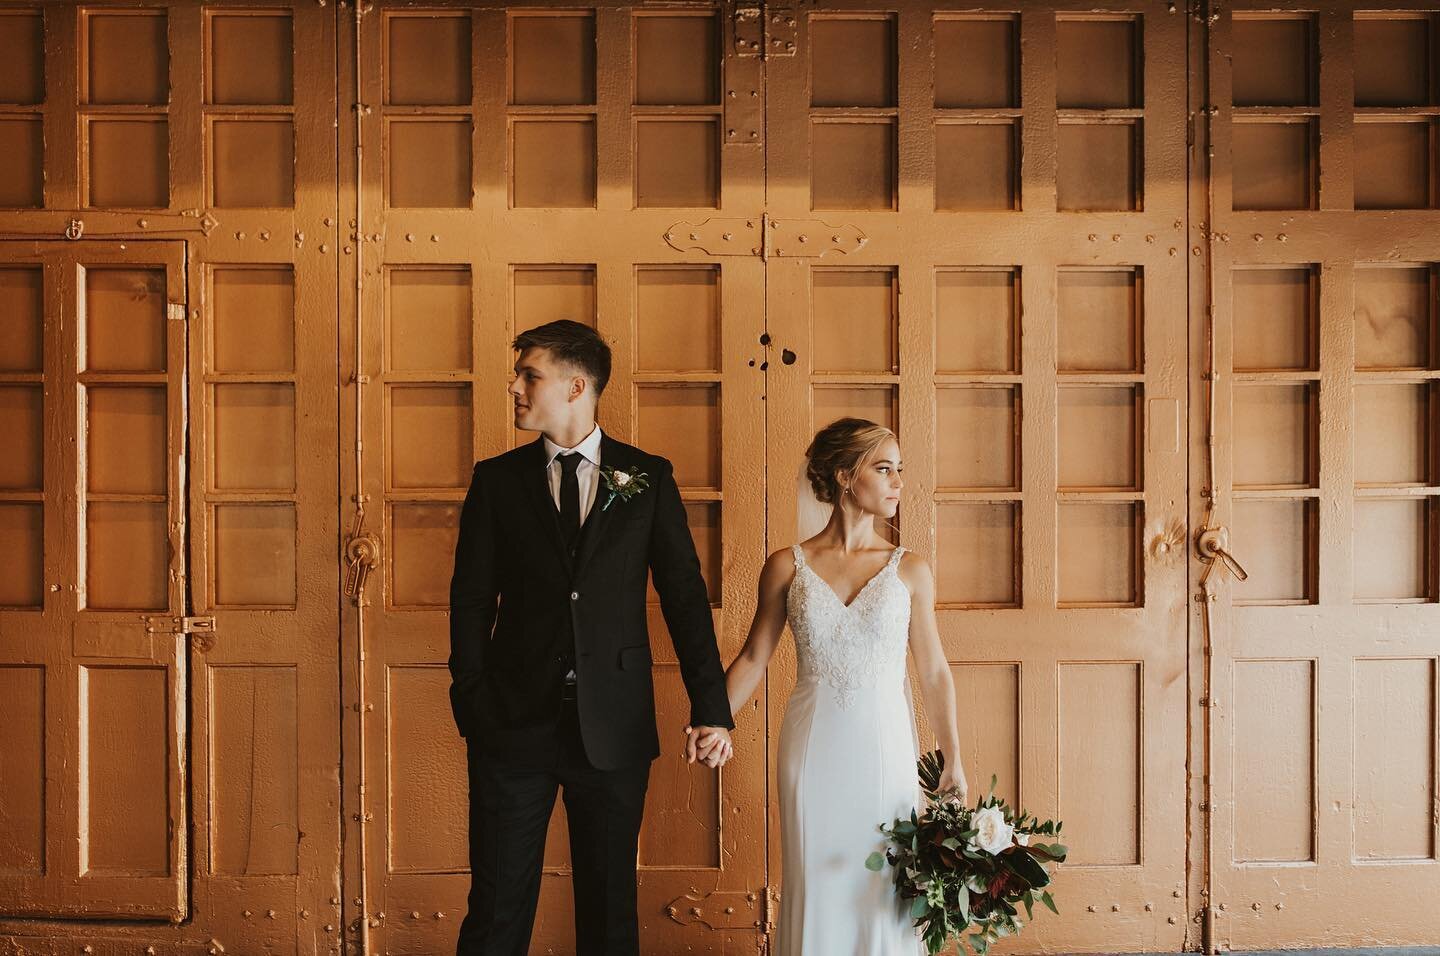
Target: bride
<point>847,744</point>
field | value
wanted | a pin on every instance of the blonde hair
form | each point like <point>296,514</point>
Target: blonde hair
<point>844,445</point>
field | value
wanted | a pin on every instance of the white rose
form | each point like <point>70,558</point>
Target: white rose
<point>992,833</point>
<point>621,479</point>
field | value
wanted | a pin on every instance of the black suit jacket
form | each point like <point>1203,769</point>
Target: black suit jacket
<point>521,605</point>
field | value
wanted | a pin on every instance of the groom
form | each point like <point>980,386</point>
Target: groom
<point>549,655</point>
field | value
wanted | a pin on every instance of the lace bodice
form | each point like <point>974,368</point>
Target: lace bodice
<point>852,646</point>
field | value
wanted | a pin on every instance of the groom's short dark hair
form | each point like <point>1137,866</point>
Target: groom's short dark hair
<point>573,343</point>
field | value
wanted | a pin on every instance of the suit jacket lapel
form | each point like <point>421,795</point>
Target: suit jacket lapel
<point>593,530</point>
<point>538,484</point>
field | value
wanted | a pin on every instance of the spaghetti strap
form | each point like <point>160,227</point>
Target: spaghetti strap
<point>799,554</point>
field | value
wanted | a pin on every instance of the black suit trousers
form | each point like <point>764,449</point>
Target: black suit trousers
<point>510,807</point>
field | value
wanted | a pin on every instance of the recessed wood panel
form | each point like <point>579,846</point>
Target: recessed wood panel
<point>254,319</point>
<point>1394,434</point>
<point>977,320</point>
<point>252,163</point>
<point>428,164</point>
<point>23,742</point>
<point>852,61</point>
<point>129,163</point>
<point>1100,324</point>
<point>1273,60</point>
<point>552,59</point>
<point>429,320</point>
<point>254,443</point>
<point>427,789</point>
<point>126,438</point>
<point>1277,539</point>
<point>552,162</point>
<point>1392,60</point>
<point>976,430</point>
<point>1394,749</point>
<point>1390,559</point>
<point>682,423</point>
<point>252,58</point>
<point>977,62</point>
<point>1393,165</point>
<point>124,771</point>
<point>127,556</point>
<point>22,318</point>
<point>977,554</point>
<point>1099,787</point>
<point>853,320</point>
<point>1098,166</point>
<point>1273,165</point>
<point>22,160</point>
<point>427,60</point>
<point>127,57</point>
<point>1275,435</point>
<point>677,60</point>
<point>422,553</point>
<point>1272,754</point>
<point>852,165</point>
<point>988,712</point>
<point>254,563</point>
<point>22,50</point>
<point>1099,437</point>
<point>1098,554</point>
<point>22,541</point>
<point>1395,317</point>
<point>545,293</point>
<point>704,521</point>
<point>1276,320</point>
<point>682,804</point>
<point>677,318</point>
<point>430,436</point>
<point>254,771</point>
<point>22,422</point>
<point>876,404</point>
<point>677,162</point>
<point>124,320</point>
<point>1097,63</point>
<point>977,166</point>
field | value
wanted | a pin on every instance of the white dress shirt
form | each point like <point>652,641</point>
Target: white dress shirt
<point>587,472</point>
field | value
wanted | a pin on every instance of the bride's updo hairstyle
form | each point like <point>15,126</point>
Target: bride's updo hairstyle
<point>844,445</point>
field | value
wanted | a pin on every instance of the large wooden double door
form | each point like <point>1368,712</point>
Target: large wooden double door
<point>894,215</point>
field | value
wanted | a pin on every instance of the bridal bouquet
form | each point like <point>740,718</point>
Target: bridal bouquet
<point>968,869</point>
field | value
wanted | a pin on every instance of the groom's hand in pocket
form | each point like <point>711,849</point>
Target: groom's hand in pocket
<point>709,745</point>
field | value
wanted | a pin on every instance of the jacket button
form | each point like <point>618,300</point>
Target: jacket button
<point>574,595</point>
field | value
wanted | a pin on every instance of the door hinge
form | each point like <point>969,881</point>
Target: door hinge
<point>200,629</point>
<point>765,237</point>
<point>734,909</point>
<point>176,311</point>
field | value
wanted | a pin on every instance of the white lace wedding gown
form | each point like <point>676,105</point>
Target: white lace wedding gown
<point>846,765</point>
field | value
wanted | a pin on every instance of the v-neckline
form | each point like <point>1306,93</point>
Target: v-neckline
<point>805,563</point>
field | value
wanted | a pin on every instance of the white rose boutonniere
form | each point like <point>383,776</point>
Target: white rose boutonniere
<point>992,833</point>
<point>622,484</point>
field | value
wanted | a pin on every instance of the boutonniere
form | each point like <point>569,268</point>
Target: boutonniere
<point>622,484</point>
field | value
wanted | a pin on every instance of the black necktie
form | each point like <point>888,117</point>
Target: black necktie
<point>569,498</point>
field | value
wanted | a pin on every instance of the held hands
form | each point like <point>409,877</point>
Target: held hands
<point>709,745</point>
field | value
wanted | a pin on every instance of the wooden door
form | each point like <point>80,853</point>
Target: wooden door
<point>1323,680</point>
<point>93,527</point>
<point>1016,311</point>
<point>521,166</point>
